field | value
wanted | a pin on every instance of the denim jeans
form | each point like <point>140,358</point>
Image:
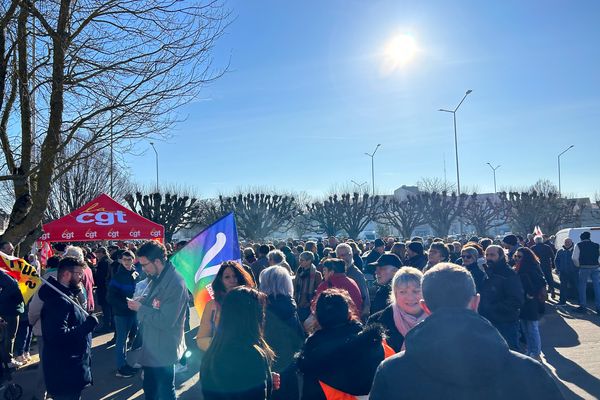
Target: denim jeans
<point>531,330</point>
<point>584,274</point>
<point>23,338</point>
<point>159,383</point>
<point>123,324</point>
<point>510,333</point>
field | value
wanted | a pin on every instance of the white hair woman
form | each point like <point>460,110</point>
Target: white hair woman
<point>283,331</point>
<point>405,311</point>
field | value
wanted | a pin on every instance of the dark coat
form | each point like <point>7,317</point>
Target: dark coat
<point>344,357</point>
<point>385,318</point>
<point>564,261</point>
<point>102,277</point>
<point>418,261</point>
<point>382,297</point>
<point>122,286</point>
<point>502,295</point>
<point>457,354</point>
<point>67,341</point>
<point>11,299</point>
<point>533,282</point>
<point>478,274</point>
<point>242,373</point>
<point>284,334</point>
<point>545,254</point>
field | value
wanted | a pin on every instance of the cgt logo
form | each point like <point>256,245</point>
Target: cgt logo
<point>113,234</point>
<point>90,234</point>
<point>101,218</point>
<point>45,236</point>
<point>134,234</point>
<point>155,233</point>
<point>67,235</point>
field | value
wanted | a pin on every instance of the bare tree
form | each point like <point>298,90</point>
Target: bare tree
<point>435,185</point>
<point>104,72</point>
<point>325,215</point>
<point>171,210</point>
<point>404,215</point>
<point>258,215</point>
<point>442,209</point>
<point>85,181</point>
<point>483,214</point>
<point>350,212</point>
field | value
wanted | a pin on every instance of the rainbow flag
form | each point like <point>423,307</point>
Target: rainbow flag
<point>199,261</point>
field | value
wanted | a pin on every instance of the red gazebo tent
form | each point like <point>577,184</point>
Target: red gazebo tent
<point>101,219</point>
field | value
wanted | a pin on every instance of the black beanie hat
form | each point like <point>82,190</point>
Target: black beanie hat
<point>511,240</point>
<point>585,236</point>
<point>416,247</point>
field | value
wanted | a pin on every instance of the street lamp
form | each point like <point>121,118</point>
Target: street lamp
<point>453,112</point>
<point>360,185</point>
<point>494,169</point>
<point>567,149</point>
<point>155,152</point>
<point>373,166</point>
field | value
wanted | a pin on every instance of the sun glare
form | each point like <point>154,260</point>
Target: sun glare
<point>399,51</point>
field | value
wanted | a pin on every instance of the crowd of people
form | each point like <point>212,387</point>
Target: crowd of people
<point>323,319</point>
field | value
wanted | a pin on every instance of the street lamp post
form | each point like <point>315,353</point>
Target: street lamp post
<point>373,166</point>
<point>559,186</point>
<point>155,152</point>
<point>453,112</point>
<point>494,169</point>
<point>360,185</point>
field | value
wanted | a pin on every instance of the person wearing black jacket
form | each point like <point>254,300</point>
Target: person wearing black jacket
<point>67,333</point>
<point>457,354</point>
<point>546,256</point>
<point>528,268</point>
<point>120,288</point>
<point>283,331</point>
<point>502,296</point>
<point>416,255</point>
<point>385,268</point>
<point>469,256</point>
<point>341,356</point>
<point>11,307</point>
<point>101,279</point>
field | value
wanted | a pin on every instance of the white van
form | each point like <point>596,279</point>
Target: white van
<point>573,234</point>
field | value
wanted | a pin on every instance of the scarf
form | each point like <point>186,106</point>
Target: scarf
<point>405,322</point>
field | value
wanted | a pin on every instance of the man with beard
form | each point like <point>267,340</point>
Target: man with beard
<point>385,268</point>
<point>502,296</point>
<point>67,333</point>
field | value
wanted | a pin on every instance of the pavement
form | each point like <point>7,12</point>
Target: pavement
<point>570,346</point>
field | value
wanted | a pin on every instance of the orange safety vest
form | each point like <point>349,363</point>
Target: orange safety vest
<point>334,394</point>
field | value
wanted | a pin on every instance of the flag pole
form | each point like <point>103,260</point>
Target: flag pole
<point>65,296</point>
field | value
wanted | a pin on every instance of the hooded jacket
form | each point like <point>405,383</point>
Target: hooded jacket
<point>456,354</point>
<point>67,341</point>
<point>120,287</point>
<point>283,331</point>
<point>344,357</point>
<point>419,261</point>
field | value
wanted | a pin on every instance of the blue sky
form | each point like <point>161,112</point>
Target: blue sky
<point>305,97</point>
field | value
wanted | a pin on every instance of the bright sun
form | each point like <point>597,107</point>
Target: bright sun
<point>399,51</point>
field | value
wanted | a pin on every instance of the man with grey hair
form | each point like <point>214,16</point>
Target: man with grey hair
<point>455,353</point>
<point>306,282</point>
<point>344,252</point>
<point>546,256</point>
<point>277,257</point>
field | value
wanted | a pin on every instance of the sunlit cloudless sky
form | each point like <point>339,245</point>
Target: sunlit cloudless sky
<point>307,94</point>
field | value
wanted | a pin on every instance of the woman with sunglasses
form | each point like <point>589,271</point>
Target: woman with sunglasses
<point>469,256</point>
<point>527,266</point>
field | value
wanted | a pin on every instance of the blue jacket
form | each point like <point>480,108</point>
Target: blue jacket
<point>67,341</point>
<point>563,261</point>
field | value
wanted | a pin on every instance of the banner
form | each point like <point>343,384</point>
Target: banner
<point>199,261</point>
<point>24,273</point>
